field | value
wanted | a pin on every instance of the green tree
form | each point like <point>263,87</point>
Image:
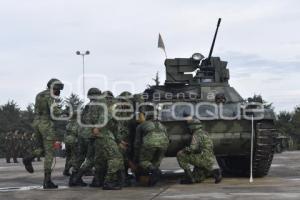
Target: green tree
<point>296,120</point>
<point>288,123</point>
<point>284,123</point>
<point>258,98</point>
<point>10,119</point>
<point>10,116</point>
<point>27,117</point>
<point>74,101</point>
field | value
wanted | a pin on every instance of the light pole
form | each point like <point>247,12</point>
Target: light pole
<point>83,70</point>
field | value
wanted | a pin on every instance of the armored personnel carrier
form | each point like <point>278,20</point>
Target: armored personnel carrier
<point>200,86</point>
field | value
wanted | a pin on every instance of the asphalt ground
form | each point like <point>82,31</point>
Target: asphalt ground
<point>282,183</point>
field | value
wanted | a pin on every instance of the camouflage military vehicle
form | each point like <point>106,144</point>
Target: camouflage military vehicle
<point>200,87</point>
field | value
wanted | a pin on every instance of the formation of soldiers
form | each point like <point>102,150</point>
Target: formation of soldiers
<point>17,144</point>
<point>100,141</point>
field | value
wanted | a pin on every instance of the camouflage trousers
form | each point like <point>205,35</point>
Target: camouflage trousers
<point>202,163</point>
<point>46,135</point>
<point>108,159</point>
<point>89,161</point>
<point>71,155</point>
<point>81,152</point>
<point>11,153</point>
<point>151,156</point>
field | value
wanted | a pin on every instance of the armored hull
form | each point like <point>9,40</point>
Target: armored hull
<point>226,117</point>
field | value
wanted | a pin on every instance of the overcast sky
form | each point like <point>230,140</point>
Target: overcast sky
<point>38,40</point>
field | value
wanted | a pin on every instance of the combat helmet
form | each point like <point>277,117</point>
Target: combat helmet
<point>108,94</point>
<point>55,84</point>
<point>93,93</point>
<point>125,95</point>
<point>194,124</point>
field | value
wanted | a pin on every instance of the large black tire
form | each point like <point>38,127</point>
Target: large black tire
<point>264,147</point>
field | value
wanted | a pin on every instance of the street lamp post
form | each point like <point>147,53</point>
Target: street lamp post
<point>83,70</point>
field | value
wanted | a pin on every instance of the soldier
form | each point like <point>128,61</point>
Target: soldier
<point>45,107</point>
<point>109,163</point>
<point>151,143</point>
<point>86,149</point>
<point>199,154</point>
<point>8,146</point>
<point>123,133</point>
<point>71,141</point>
<point>15,146</point>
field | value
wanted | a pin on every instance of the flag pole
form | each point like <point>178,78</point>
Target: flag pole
<point>165,53</point>
<point>251,157</point>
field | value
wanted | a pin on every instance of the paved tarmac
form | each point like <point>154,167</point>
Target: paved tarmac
<point>283,182</point>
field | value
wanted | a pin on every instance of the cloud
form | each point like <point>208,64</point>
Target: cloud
<point>276,80</point>
<point>39,39</point>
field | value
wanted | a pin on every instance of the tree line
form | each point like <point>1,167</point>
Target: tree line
<point>13,118</point>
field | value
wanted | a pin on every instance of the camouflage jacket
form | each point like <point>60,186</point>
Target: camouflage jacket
<point>150,134</point>
<point>98,116</point>
<point>122,132</point>
<point>72,129</point>
<point>43,104</point>
<point>201,142</point>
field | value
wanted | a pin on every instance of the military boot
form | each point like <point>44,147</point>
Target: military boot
<point>122,179</point>
<point>66,172</point>
<point>188,178</point>
<point>154,176</point>
<point>7,160</point>
<point>217,174</point>
<point>116,184</point>
<point>97,180</point>
<point>48,184</point>
<point>128,180</point>
<point>112,185</point>
<point>16,160</point>
<point>27,161</point>
<point>77,179</point>
<point>72,181</point>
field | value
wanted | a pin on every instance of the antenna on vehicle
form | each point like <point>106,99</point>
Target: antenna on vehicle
<point>214,40</point>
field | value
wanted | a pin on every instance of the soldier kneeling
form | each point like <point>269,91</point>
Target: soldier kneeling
<point>199,154</point>
<point>151,143</point>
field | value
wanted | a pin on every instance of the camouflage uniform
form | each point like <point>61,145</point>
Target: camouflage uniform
<point>71,141</point>
<point>10,144</point>
<point>122,134</point>
<point>15,146</point>
<point>198,154</point>
<point>85,160</point>
<point>151,143</point>
<point>109,163</point>
<point>18,145</point>
<point>36,144</point>
<point>86,144</point>
<point>44,127</point>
